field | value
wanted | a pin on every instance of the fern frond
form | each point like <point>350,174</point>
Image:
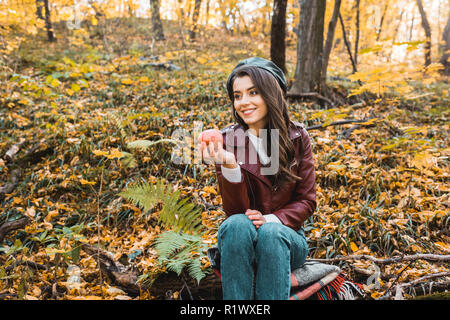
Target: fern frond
<point>146,195</point>
<point>175,251</point>
<point>145,144</point>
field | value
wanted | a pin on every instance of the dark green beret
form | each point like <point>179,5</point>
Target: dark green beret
<point>262,63</point>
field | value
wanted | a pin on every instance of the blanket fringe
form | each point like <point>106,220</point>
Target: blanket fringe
<point>340,289</point>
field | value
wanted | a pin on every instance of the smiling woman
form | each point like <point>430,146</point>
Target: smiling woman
<point>264,228</point>
<point>249,104</point>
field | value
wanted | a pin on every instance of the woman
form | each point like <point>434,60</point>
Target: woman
<point>262,239</point>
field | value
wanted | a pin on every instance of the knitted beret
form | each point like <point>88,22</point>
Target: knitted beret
<point>261,63</point>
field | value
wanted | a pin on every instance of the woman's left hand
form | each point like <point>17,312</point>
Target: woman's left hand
<point>256,217</point>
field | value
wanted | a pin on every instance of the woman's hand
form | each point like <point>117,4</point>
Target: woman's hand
<point>256,217</point>
<point>219,155</point>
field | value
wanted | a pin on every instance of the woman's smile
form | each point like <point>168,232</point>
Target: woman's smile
<point>248,112</point>
<point>249,104</point>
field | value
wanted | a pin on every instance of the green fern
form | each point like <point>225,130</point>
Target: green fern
<point>176,214</point>
<point>180,215</point>
<point>145,144</point>
<point>175,251</point>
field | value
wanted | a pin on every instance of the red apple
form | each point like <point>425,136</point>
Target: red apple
<point>211,135</point>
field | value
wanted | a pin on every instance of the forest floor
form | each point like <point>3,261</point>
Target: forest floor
<point>71,107</point>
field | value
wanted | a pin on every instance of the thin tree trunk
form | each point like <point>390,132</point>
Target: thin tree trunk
<point>48,22</point>
<point>278,34</point>
<point>394,38</point>
<point>427,29</point>
<point>156,20</point>
<point>347,44</point>
<point>241,18</point>
<point>380,27</point>
<point>193,31</point>
<point>180,4</point>
<point>446,48</point>
<point>39,9</point>
<point>329,42</point>
<point>207,12</point>
<point>411,27</point>
<point>355,55</point>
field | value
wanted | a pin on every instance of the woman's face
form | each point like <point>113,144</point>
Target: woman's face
<point>249,104</point>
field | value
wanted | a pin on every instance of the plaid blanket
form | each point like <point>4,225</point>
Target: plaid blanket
<point>312,281</point>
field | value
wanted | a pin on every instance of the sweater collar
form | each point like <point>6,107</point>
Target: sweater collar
<point>236,135</point>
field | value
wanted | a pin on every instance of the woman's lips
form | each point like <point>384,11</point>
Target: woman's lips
<point>248,112</point>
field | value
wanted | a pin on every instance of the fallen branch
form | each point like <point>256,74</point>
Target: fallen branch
<point>368,273</point>
<point>419,256</point>
<point>336,123</point>
<point>30,264</point>
<point>116,272</point>
<point>16,174</point>
<point>309,95</point>
<point>418,283</point>
<point>9,226</point>
<point>161,65</point>
<point>10,155</point>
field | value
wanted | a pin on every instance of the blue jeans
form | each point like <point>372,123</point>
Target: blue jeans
<point>272,251</point>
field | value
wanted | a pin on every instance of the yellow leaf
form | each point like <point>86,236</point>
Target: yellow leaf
<point>86,182</point>
<point>423,160</point>
<point>144,79</point>
<point>201,60</point>
<point>115,153</point>
<point>51,215</point>
<point>17,200</point>
<point>55,83</point>
<point>443,246</point>
<point>75,87</point>
<point>209,190</point>
<point>127,81</point>
<point>99,153</point>
<point>353,246</point>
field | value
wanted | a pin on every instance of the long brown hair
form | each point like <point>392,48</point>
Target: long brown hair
<point>278,118</point>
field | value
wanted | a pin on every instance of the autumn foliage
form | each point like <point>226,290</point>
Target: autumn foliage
<point>83,118</point>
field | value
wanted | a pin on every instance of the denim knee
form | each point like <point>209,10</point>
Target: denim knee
<point>237,229</point>
<point>272,233</point>
<point>236,222</point>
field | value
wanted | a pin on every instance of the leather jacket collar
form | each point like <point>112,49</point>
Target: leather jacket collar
<point>236,137</point>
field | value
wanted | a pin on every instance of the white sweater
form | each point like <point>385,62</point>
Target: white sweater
<point>235,175</point>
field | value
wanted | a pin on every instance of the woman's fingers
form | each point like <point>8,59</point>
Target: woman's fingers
<point>256,217</point>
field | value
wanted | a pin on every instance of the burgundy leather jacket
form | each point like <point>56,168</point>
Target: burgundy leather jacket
<point>293,203</point>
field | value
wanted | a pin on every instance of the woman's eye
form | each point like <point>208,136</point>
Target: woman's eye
<point>236,96</point>
<point>253,93</point>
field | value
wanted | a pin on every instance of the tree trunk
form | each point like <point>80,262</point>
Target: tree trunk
<point>380,27</point>
<point>207,12</point>
<point>193,31</point>
<point>446,48</point>
<point>355,55</point>
<point>329,42</point>
<point>427,29</point>
<point>309,47</point>
<point>278,34</point>
<point>347,44</point>
<point>394,37</point>
<point>48,23</point>
<point>39,8</point>
<point>156,20</point>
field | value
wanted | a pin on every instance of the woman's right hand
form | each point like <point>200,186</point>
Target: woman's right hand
<point>214,153</point>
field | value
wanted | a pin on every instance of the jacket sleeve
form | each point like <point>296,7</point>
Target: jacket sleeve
<point>235,197</point>
<point>303,201</point>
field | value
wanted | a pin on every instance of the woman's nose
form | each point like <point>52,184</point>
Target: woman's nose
<point>244,101</point>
